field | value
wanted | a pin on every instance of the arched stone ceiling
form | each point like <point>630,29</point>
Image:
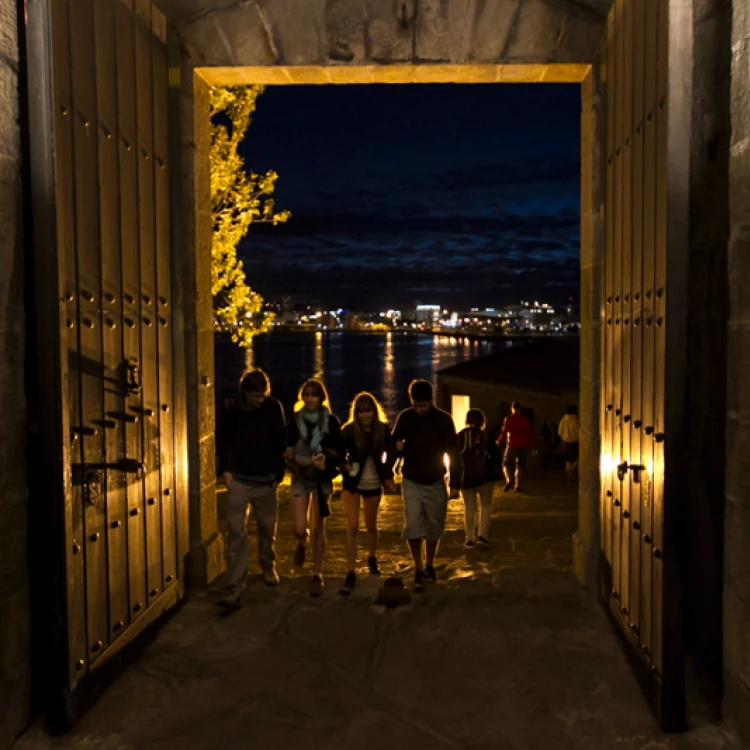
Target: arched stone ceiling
<point>384,32</point>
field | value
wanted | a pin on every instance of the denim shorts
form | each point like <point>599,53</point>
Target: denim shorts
<point>306,486</point>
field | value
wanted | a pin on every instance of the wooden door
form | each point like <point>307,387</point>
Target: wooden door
<point>115,498</point>
<point>646,63</point>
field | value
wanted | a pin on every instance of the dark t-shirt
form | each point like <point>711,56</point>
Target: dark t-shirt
<point>427,440</point>
<point>252,441</point>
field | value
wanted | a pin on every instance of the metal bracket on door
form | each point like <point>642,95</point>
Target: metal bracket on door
<point>134,382</point>
<point>623,468</point>
<point>83,472</point>
<point>92,486</point>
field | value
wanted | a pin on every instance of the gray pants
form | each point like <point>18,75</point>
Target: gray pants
<point>262,498</point>
<point>485,510</point>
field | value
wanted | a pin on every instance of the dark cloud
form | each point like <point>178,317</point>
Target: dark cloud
<point>481,222</point>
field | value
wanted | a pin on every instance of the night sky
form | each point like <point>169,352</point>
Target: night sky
<point>462,195</point>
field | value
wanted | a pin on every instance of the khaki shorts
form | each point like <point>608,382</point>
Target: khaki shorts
<point>425,509</point>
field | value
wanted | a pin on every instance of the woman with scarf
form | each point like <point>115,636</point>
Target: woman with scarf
<point>313,456</point>
<point>480,467</point>
<point>369,455</point>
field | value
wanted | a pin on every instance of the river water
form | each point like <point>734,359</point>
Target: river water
<point>347,362</point>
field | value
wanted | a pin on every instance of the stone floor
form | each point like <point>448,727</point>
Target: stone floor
<point>505,651</point>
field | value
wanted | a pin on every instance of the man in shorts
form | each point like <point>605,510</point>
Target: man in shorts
<point>424,435</point>
<point>251,441</point>
<point>520,440</point>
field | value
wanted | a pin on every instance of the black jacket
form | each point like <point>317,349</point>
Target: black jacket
<point>252,441</point>
<point>353,454</point>
<point>481,460</point>
<point>331,445</point>
<point>426,441</point>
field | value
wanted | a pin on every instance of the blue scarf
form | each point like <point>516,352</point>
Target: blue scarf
<point>309,428</point>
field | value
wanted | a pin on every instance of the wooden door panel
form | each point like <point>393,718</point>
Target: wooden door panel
<point>164,305</point>
<point>115,492</point>
<point>147,251</point>
<point>112,458</point>
<point>70,419</point>
<point>643,374</point>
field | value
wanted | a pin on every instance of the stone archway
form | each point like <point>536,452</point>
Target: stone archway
<point>343,42</point>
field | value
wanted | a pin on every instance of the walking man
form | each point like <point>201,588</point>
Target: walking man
<point>252,439</point>
<point>568,431</point>
<point>424,435</point>
<point>520,440</point>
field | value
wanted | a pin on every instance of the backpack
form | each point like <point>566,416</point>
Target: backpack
<point>474,457</point>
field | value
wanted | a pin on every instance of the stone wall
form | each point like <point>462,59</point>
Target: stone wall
<point>586,541</point>
<point>206,558</point>
<point>702,548</point>
<point>353,32</point>
<point>737,526</point>
<point>14,586</point>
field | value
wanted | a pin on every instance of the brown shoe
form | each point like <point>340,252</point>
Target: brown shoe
<point>271,577</point>
<point>316,586</point>
<point>299,556</point>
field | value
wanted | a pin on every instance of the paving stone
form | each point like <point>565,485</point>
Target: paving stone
<point>505,651</point>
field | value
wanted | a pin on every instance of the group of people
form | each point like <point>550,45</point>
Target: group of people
<point>256,446</point>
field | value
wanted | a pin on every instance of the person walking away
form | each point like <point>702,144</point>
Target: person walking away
<point>251,442</point>
<point>313,456</point>
<point>568,431</point>
<point>550,438</point>
<point>424,435</point>
<point>519,437</point>
<point>480,462</point>
<point>367,469</point>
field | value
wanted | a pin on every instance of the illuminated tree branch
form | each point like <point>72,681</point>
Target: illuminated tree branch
<point>238,199</point>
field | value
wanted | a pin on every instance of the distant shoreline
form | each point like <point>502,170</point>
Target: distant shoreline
<point>471,336</point>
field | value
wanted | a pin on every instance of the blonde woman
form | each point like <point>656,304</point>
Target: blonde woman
<point>367,469</point>
<point>313,456</point>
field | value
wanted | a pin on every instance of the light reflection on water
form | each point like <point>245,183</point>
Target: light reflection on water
<point>347,362</point>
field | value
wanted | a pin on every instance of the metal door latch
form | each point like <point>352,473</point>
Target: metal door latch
<point>88,474</point>
<point>624,467</point>
<point>134,382</point>
<point>92,487</point>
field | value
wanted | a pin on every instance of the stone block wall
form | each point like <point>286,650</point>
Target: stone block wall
<point>353,32</point>
<point>206,558</point>
<point>737,525</point>
<point>586,541</point>
<point>15,677</point>
<point>701,556</point>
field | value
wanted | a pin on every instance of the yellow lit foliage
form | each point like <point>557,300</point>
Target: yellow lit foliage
<point>238,199</point>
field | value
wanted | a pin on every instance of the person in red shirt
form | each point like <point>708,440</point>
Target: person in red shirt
<point>520,440</point>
